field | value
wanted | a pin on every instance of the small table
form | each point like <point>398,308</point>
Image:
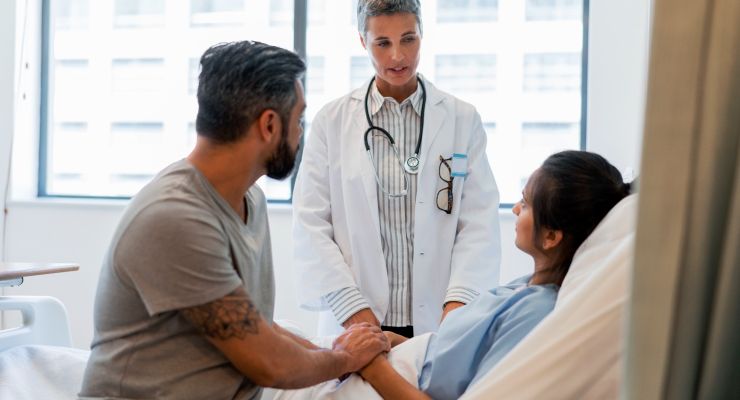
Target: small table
<point>12,274</point>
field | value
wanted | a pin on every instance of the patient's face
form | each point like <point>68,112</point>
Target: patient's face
<point>524,226</point>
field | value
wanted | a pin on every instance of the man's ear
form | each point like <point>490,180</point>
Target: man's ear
<point>552,238</point>
<point>269,125</point>
<point>362,40</point>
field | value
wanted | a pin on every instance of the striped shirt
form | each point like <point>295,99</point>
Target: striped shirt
<point>396,214</point>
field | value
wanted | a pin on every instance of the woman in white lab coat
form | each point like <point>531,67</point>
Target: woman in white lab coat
<point>402,237</point>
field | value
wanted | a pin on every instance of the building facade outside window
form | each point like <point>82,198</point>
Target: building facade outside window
<point>121,83</point>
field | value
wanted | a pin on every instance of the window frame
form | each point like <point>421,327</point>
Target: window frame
<point>300,29</point>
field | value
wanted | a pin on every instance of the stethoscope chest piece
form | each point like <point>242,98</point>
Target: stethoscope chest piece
<point>412,165</point>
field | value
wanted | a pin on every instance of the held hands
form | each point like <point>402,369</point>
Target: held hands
<point>361,343</point>
<point>394,339</point>
<point>449,306</point>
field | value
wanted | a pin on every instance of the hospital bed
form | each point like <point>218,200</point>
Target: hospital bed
<point>575,352</point>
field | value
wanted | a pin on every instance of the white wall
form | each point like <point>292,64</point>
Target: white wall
<point>79,231</point>
<point>7,94</point>
<point>617,72</point>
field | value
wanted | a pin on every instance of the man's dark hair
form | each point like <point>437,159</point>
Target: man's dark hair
<point>238,81</point>
<point>572,192</point>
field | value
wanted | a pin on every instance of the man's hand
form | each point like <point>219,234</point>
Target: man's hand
<point>364,315</point>
<point>449,306</point>
<point>361,343</point>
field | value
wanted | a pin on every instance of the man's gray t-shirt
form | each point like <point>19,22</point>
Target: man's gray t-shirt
<point>179,244</point>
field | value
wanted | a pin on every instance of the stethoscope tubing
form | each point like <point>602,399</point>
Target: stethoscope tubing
<point>407,168</point>
<point>385,132</point>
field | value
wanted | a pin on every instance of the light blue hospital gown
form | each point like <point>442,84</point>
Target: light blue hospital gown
<point>473,339</point>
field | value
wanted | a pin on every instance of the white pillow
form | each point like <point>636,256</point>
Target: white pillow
<point>576,352</point>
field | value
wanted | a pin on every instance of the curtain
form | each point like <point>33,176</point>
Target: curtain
<point>682,340</point>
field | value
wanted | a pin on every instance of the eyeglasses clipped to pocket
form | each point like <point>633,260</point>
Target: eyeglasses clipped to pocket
<point>449,168</point>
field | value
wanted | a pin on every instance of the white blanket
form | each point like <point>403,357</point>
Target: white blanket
<point>407,358</point>
<point>41,372</point>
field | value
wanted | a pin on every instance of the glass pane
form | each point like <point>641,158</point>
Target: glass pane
<point>466,72</point>
<point>467,10</point>
<point>554,10</point>
<point>216,13</point>
<point>121,96</point>
<point>138,13</point>
<point>522,75</point>
<point>71,14</point>
<point>552,72</point>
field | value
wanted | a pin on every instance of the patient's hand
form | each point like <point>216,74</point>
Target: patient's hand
<point>393,338</point>
<point>361,343</point>
<point>376,367</point>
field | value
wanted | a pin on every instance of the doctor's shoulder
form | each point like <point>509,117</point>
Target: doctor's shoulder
<point>463,109</point>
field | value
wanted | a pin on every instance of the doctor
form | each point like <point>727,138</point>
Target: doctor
<point>395,204</point>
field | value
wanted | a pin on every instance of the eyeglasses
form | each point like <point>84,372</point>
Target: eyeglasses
<point>444,203</point>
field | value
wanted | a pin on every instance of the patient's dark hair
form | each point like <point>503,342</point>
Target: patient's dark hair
<point>240,80</point>
<point>572,192</point>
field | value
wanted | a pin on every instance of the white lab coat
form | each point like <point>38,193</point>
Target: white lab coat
<point>335,212</point>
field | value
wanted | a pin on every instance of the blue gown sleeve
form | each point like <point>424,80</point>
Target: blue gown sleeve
<point>521,318</point>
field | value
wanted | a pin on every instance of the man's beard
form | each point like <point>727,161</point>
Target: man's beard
<point>280,165</point>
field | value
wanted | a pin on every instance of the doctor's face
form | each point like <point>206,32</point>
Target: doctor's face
<point>393,43</point>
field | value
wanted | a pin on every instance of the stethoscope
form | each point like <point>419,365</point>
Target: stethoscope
<point>411,166</point>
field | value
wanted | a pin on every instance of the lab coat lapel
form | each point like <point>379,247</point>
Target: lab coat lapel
<point>359,126</point>
<point>434,117</point>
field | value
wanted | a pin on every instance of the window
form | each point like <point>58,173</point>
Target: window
<point>222,13</point>
<point>546,10</point>
<point>123,88</point>
<point>361,70</point>
<point>120,101</point>
<point>540,139</point>
<point>281,12</point>
<point>193,71</point>
<point>552,72</point>
<point>467,10</point>
<point>72,14</point>
<point>315,75</point>
<point>138,13</point>
<point>137,75</point>
<point>465,73</point>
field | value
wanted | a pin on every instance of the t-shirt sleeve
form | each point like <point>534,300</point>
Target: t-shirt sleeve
<point>175,255</point>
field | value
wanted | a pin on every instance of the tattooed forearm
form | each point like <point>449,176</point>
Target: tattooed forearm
<point>233,316</point>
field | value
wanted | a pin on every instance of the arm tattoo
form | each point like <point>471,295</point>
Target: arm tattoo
<point>233,315</point>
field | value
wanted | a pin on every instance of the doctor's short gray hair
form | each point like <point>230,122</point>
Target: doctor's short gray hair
<point>374,8</point>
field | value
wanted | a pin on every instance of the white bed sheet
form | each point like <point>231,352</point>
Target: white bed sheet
<point>36,372</point>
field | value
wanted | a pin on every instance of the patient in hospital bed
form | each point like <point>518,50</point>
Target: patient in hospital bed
<point>569,194</point>
<point>562,203</point>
